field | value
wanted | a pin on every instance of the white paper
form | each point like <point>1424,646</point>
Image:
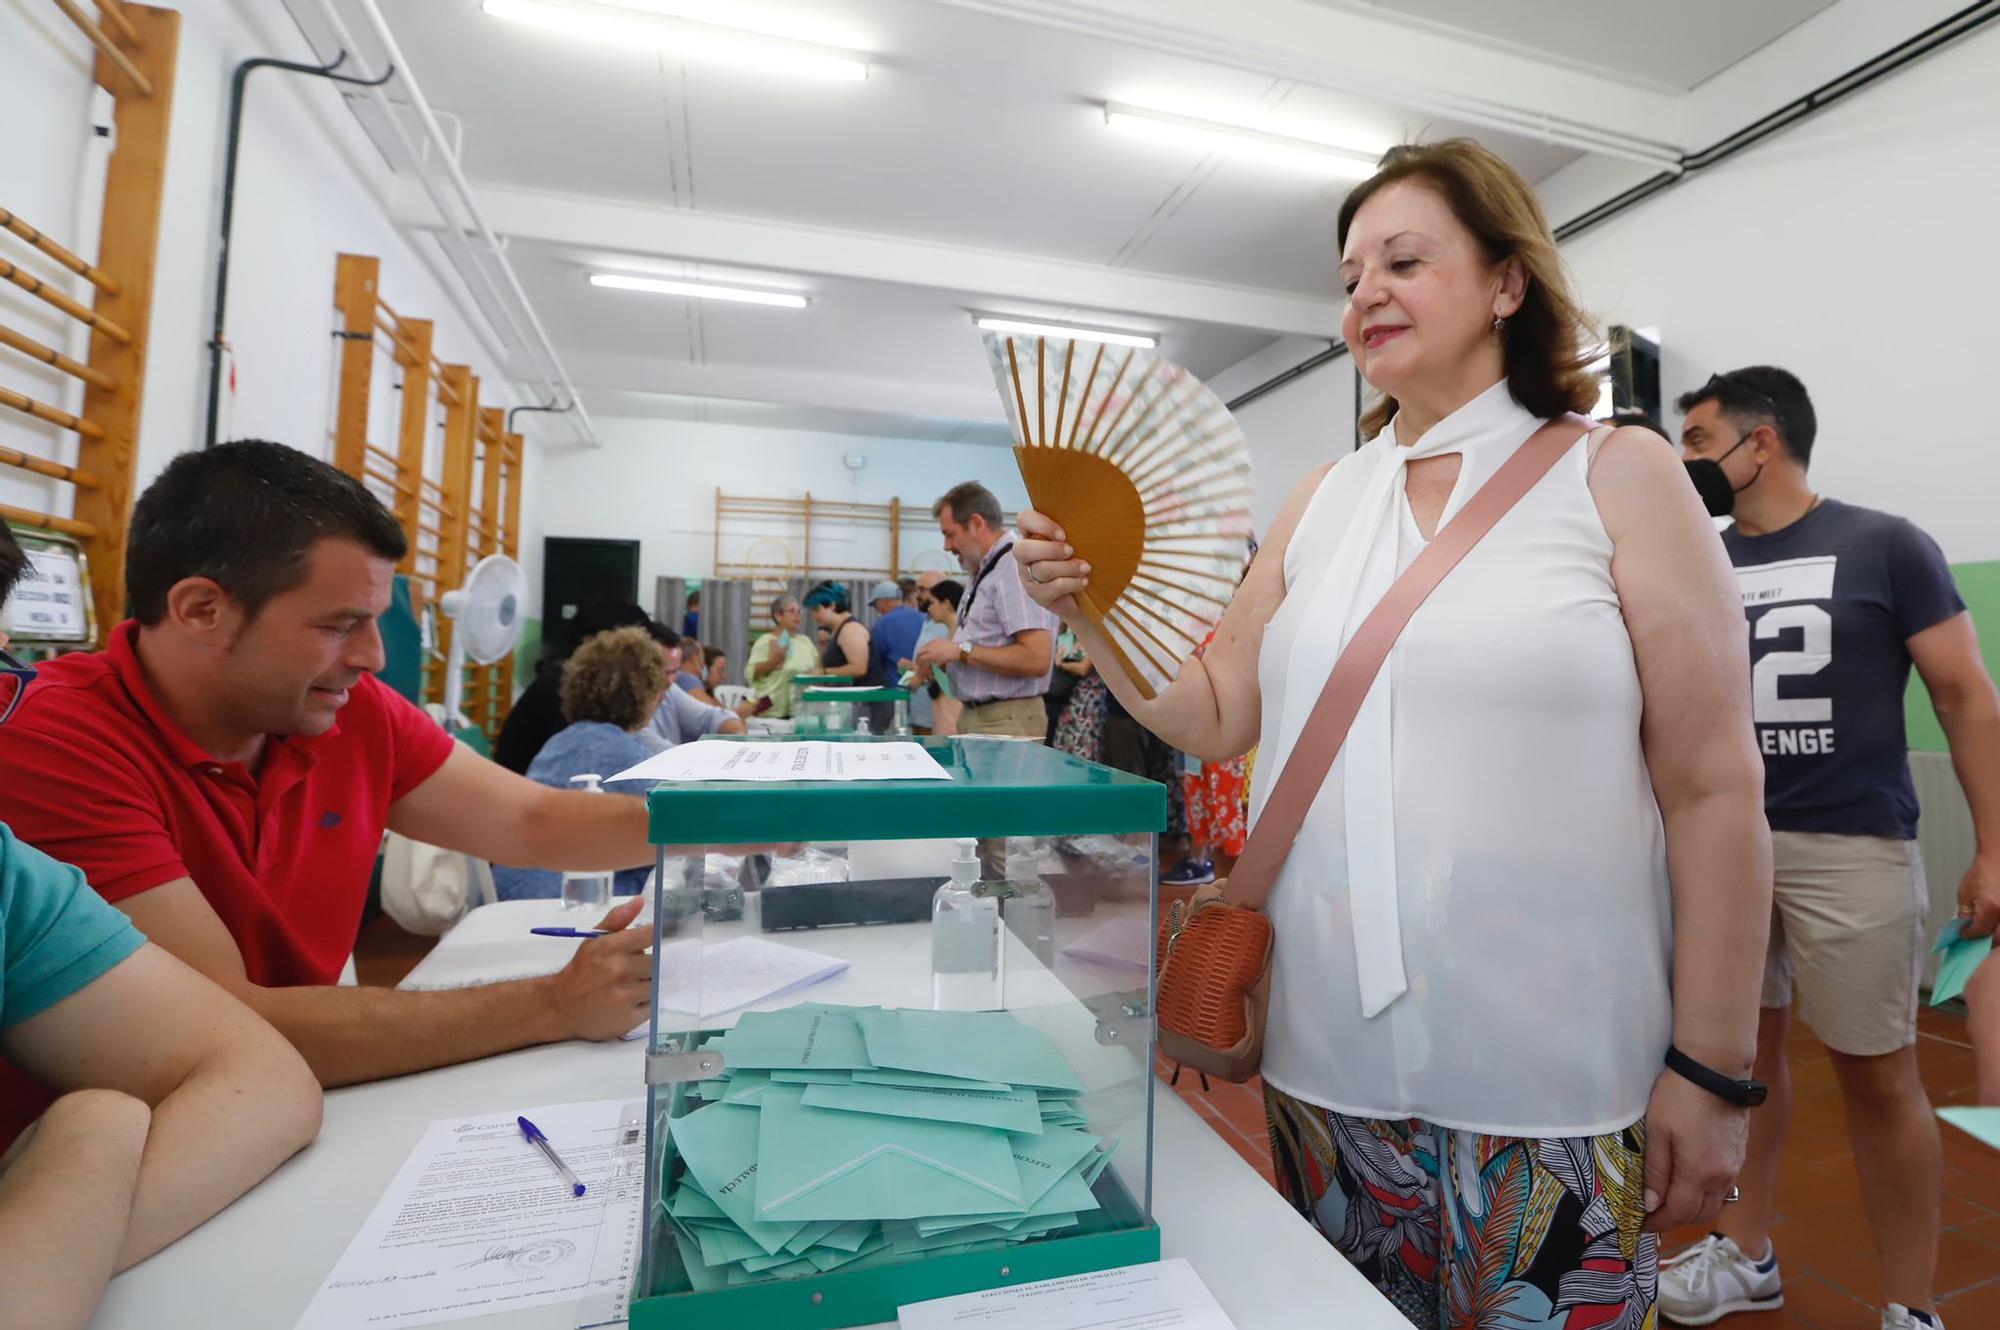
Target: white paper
<point>801,760</point>
<point>476,1221</point>
<point>1165,1296</point>
<point>742,972</point>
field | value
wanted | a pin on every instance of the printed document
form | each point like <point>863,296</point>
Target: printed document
<point>476,1221</point>
<point>1165,1296</point>
<point>804,760</point>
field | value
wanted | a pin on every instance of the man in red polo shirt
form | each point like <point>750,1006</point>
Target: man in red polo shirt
<point>223,772</point>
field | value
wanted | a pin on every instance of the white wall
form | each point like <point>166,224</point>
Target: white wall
<point>1858,251</point>
<point>654,481</point>
<point>307,188</point>
<point>1293,428</point>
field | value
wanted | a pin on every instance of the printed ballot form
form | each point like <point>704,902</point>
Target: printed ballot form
<point>804,760</point>
<point>1167,1295</point>
<point>477,1221</point>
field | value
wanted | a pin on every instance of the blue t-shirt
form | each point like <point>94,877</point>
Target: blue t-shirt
<point>893,638</point>
<point>1832,601</point>
<point>56,935</point>
<point>584,748</point>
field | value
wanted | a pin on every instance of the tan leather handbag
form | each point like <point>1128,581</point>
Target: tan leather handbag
<point>1213,953</point>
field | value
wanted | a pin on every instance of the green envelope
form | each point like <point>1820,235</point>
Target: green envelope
<point>705,1278</point>
<point>1983,1124</point>
<point>820,1163</point>
<point>725,1246</point>
<point>690,1202</point>
<point>976,1045</point>
<point>1961,957</point>
<point>1014,1111</point>
<point>719,1145</point>
<point>923,1080</point>
<point>805,1037</point>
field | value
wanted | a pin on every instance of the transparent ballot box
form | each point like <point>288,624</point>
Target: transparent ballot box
<point>902,1041</point>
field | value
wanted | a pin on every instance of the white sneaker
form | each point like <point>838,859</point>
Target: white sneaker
<point>1713,1279</point>
<point>1896,1316</point>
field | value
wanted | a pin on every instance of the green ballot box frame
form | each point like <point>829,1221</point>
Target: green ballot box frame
<point>1116,1236</point>
<point>996,789</point>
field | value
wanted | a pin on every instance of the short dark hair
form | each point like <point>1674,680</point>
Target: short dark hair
<point>1768,395</point>
<point>907,585</point>
<point>601,616</point>
<point>949,592</point>
<point>13,562</point>
<point>662,634</point>
<point>246,515</point>
<point>968,500</point>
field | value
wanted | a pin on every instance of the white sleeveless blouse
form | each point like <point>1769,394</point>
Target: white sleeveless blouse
<point>1500,960</point>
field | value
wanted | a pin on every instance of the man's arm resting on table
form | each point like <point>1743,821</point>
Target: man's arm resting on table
<point>481,808</point>
<point>1025,657</point>
<point>65,1200</point>
<point>1947,656</point>
<point>230,1100</point>
<point>364,1034</point>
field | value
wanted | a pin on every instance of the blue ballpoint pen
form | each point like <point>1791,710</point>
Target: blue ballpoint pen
<point>567,932</point>
<point>541,1142</point>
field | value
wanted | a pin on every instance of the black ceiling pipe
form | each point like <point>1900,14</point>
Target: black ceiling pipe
<point>236,90</point>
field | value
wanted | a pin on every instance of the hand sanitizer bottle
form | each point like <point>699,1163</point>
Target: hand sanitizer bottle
<point>587,889</point>
<point>965,940</point>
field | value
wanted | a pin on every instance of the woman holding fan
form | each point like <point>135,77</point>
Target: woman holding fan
<point>1491,1077</point>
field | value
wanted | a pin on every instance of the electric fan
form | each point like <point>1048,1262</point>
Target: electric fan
<point>486,623</point>
<point>1148,475</point>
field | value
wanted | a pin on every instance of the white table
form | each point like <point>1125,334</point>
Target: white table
<point>258,1264</point>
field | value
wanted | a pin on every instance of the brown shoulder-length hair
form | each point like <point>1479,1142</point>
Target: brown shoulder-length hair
<point>1547,343</point>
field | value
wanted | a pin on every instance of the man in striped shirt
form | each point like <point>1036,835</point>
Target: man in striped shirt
<point>1004,651</point>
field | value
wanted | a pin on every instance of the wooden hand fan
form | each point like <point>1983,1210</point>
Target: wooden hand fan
<point>1147,474</point>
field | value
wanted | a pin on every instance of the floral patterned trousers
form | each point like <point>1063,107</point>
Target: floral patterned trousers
<point>1463,1231</point>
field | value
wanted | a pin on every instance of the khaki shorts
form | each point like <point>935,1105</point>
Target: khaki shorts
<point>1022,717</point>
<point>1847,931</point>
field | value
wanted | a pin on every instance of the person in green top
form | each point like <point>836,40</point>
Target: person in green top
<point>175,1097</point>
<point>777,658</point>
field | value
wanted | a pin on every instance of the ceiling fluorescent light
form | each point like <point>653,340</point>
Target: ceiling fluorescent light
<point>1021,328</point>
<point>1240,141</point>
<point>665,286</point>
<point>625,26</point>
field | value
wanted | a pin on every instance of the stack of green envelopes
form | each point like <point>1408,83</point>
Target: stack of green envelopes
<point>844,1137</point>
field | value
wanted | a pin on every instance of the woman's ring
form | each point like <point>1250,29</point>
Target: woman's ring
<point>1031,575</point>
<point>1733,1195</point>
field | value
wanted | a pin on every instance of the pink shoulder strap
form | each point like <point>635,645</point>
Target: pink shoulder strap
<point>1304,772</point>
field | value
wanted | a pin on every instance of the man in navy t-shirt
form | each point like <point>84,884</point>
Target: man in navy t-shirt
<point>1841,601</point>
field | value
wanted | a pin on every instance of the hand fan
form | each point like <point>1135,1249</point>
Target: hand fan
<point>1149,477</point>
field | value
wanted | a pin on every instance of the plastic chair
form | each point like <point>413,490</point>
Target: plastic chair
<point>732,695</point>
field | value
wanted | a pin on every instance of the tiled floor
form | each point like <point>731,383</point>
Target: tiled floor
<point>1821,1234</point>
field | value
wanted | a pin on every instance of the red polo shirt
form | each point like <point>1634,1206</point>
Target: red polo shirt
<point>93,772</point>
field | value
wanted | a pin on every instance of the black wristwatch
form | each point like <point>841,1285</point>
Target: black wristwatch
<point>1746,1093</point>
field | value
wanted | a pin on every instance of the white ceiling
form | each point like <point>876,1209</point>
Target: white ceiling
<point>1680,44</point>
<point>977,147</point>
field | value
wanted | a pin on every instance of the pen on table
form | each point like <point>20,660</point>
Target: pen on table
<point>541,1142</point>
<point>567,932</point>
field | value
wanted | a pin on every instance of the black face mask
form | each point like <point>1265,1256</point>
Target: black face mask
<point>1712,482</point>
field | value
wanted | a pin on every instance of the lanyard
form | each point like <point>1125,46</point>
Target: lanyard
<point>972,592</point>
